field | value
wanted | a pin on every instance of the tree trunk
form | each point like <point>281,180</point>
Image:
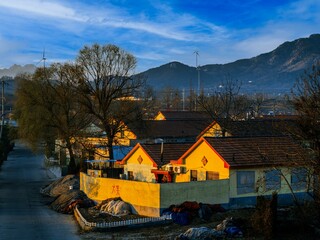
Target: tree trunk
<point>72,162</point>
<point>110,150</point>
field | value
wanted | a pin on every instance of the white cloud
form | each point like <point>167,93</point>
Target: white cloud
<point>303,9</point>
<point>181,27</point>
<point>47,8</point>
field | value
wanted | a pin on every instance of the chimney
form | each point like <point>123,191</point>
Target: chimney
<point>161,152</point>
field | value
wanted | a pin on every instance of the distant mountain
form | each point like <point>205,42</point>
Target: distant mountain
<point>17,69</point>
<point>8,74</point>
<point>273,72</point>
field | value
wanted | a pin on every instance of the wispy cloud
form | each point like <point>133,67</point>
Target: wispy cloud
<point>47,8</point>
<point>155,31</point>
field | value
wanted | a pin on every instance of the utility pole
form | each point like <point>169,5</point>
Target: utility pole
<point>2,109</point>
<point>198,70</point>
<point>183,100</point>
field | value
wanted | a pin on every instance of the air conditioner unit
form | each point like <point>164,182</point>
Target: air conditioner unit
<point>123,176</point>
<point>178,169</point>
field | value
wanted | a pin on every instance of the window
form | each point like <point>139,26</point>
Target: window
<point>245,182</point>
<point>194,175</point>
<point>299,178</point>
<point>130,175</point>
<point>212,175</point>
<point>273,179</point>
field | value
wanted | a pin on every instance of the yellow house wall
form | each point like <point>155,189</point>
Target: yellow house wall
<point>141,171</point>
<point>126,138</point>
<point>159,117</point>
<point>194,162</point>
<point>260,188</point>
<point>214,131</point>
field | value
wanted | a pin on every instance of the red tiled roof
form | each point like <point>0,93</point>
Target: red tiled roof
<point>260,127</point>
<point>258,151</point>
<point>171,151</point>
<point>169,128</point>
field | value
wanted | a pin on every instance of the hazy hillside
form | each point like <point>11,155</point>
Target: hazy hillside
<point>7,74</point>
<point>17,69</point>
<point>271,72</point>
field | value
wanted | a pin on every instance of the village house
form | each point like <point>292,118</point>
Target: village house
<point>252,127</point>
<point>254,166</point>
<point>182,115</point>
<point>149,162</point>
<point>231,171</point>
<point>169,131</point>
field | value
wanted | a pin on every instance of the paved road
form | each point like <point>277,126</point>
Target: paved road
<point>23,212</point>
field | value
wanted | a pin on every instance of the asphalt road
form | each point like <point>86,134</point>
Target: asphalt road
<point>23,210</point>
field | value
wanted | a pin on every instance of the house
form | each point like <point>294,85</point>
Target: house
<point>182,115</point>
<point>146,162</point>
<point>251,127</point>
<point>169,131</point>
<point>253,165</point>
<point>231,171</point>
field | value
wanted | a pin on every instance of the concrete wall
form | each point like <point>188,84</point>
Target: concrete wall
<point>212,192</point>
<point>150,199</point>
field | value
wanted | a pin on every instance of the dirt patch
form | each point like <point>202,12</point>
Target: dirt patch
<point>287,229</point>
<point>168,231</point>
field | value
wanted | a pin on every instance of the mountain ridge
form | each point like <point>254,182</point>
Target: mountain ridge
<point>272,72</point>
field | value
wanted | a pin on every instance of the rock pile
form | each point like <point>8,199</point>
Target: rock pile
<point>66,194</point>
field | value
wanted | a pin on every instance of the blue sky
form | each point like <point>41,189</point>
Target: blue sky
<point>155,32</point>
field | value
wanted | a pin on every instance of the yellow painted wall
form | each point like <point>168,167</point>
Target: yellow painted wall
<point>144,197</point>
<point>141,171</point>
<point>260,188</point>
<point>149,199</point>
<point>194,162</point>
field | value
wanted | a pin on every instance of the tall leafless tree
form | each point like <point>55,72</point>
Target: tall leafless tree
<point>107,87</point>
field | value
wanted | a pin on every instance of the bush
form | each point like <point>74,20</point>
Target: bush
<point>264,218</point>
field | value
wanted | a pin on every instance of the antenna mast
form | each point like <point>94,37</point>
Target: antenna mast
<point>44,58</point>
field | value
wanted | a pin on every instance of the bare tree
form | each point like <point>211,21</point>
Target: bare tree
<point>226,103</point>
<point>107,87</point>
<point>257,102</point>
<point>306,100</point>
<point>171,98</point>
